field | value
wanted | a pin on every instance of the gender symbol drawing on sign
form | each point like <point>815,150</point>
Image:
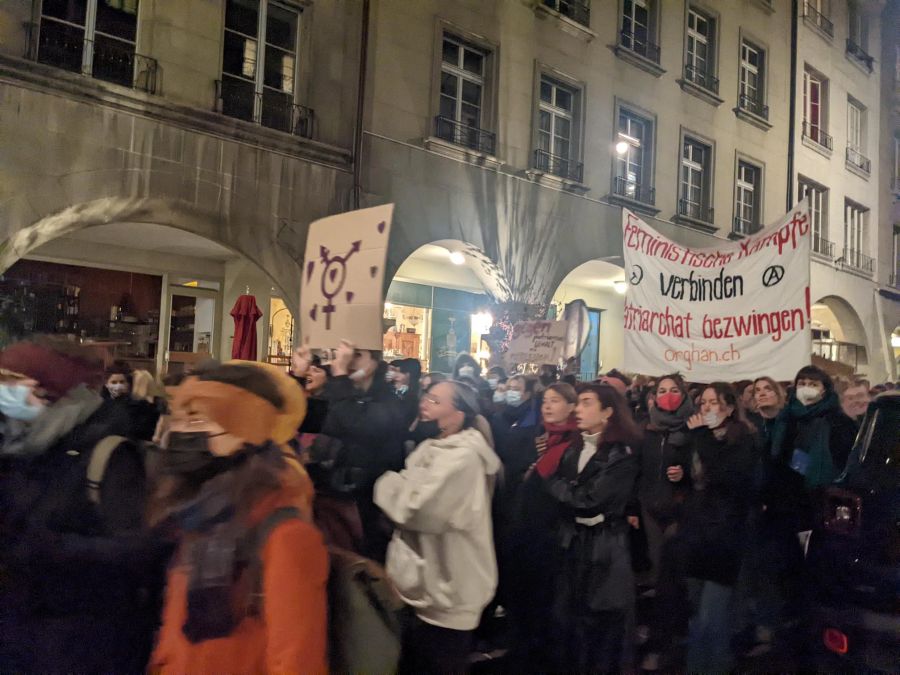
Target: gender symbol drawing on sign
<point>334,275</point>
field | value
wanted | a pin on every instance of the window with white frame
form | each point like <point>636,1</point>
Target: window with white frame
<point>577,10</point>
<point>557,143</point>
<point>856,117</point>
<point>637,32</point>
<point>633,166</point>
<point>747,193</point>
<point>815,97</point>
<point>895,274</point>
<point>699,66</point>
<point>94,38</point>
<point>818,213</point>
<point>752,79</point>
<point>858,28</point>
<point>461,116</point>
<point>696,180</point>
<point>854,233</point>
<point>259,64</point>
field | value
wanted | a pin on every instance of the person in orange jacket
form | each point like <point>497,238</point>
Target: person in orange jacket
<point>247,587</point>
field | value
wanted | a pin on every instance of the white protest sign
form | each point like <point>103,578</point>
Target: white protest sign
<point>537,342</point>
<point>341,294</point>
<point>729,312</point>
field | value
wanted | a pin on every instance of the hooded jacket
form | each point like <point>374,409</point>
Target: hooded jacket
<point>442,556</point>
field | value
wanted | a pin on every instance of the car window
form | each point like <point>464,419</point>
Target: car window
<point>879,441</point>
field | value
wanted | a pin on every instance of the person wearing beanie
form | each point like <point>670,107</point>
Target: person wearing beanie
<point>247,591</point>
<point>83,577</point>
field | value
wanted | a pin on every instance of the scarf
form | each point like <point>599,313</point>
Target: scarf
<point>813,436</point>
<point>559,437</point>
<point>217,554</point>
<point>29,439</point>
<point>672,424</point>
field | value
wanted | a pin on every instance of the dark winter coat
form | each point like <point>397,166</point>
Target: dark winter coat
<point>713,524</point>
<point>595,564</point>
<point>656,493</point>
<point>515,430</point>
<point>83,581</point>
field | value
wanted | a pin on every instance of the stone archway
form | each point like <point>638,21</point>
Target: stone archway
<point>841,334</point>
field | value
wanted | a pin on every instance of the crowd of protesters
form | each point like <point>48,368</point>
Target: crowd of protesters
<point>217,521</point>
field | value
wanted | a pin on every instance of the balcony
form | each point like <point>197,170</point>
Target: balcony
<point>753,106</point>
<point>271,108</point>
<point>562,167</point>
<point>744,227</point>
<point>857,53</point>
<point>894,279</point>
<point>105,58</point>
<point>816,135</point>
<point>822,247</point>
<point>630,189</point>
<point>846,353</point>
<point>637,49</point>
<point>701,78</point>
<point>813,17</point>
<point>464,135</point>
<point>858,261</point>
<point>577,10</point>
<point>857,160</point>
<point>694,211</point>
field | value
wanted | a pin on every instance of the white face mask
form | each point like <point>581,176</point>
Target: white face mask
<point>807,395</point>
<point>358,375</point>
<point>493,381</point>
<point>499,397</point>
<point>466,371</point>
<point>711,419</point>
<point>513,397</point>
<point>117,390</point>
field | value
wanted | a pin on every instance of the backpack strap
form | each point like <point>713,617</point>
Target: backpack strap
<point>255,542</point>
<point>97,466</point>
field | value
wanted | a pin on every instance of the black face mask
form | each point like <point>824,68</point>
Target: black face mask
<point>424,430</point>
<point>187,454</point>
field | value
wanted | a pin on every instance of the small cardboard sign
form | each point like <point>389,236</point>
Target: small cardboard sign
<point>341,293</point>
<point>537,342</point>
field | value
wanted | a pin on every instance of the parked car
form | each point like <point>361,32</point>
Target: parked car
<point>854,552</point>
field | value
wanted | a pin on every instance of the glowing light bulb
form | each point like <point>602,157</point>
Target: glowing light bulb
<point>457,258</point>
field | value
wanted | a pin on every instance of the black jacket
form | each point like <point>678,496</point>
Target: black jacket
<point>655,492</point>
<point>514,431</point>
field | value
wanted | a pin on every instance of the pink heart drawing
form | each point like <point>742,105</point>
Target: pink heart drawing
<point>310,267</point>
<point>313,312</point>
<point>381,227</point>
<point>349,297</point>
<point>332,274</point>
<point>373,271</point>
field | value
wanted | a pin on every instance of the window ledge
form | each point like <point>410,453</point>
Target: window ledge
<point>637,60</point>
<point>861,66</point>
<point>632,204</point>
<point>460,152</point>
<point>750,118</point>
<point>737,236</point>
<point>566,24</point>
<point>700,92</point>
<point>556,182</point>
<point>853,271</point>
<point>766,5</point>
<point>702,225</point>
<point>818,29</point>
<point>812,145</point>
<point>859,171</point>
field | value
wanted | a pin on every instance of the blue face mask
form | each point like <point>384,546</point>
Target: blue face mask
<point>513,397</point>
<point>14,402</point>
<point>499,397</point>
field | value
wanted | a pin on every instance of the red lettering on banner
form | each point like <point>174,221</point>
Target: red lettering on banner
<point>775,323</point>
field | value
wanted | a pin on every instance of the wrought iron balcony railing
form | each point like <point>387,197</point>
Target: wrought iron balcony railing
<point>701,77</point>
<point>695,211</point>
<point>577,10</point>
<point>822,246</point>
<point>858,261</point>
<point>272,109</point>
<point>467,136</point>
<point>640,45</point>
<point>817,135</point>
<point>860,54</point>
<point>753,106</point>
<point>814,17</point>
<point>558,166</point>
<point>631,189</point>
<point>745,227</point>
<point>108,58</point>
<point>857,159</point>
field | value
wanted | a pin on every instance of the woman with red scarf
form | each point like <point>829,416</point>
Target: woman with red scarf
<point>532,539</point>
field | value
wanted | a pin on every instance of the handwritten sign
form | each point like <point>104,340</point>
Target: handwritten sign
<point>341,293</point>
<point>537,342</point>
<point>729,312</point>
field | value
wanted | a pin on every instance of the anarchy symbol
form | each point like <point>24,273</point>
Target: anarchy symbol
<point>637,275</point>
<point>773,275</point>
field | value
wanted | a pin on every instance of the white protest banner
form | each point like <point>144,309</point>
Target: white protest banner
<point>537,342</point>
<point>729,312</point>
<point>341,293</point>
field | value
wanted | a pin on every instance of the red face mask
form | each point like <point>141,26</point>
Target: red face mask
<point>670,401</point>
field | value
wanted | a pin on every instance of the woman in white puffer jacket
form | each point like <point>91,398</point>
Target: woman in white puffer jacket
<point>442,555</point>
